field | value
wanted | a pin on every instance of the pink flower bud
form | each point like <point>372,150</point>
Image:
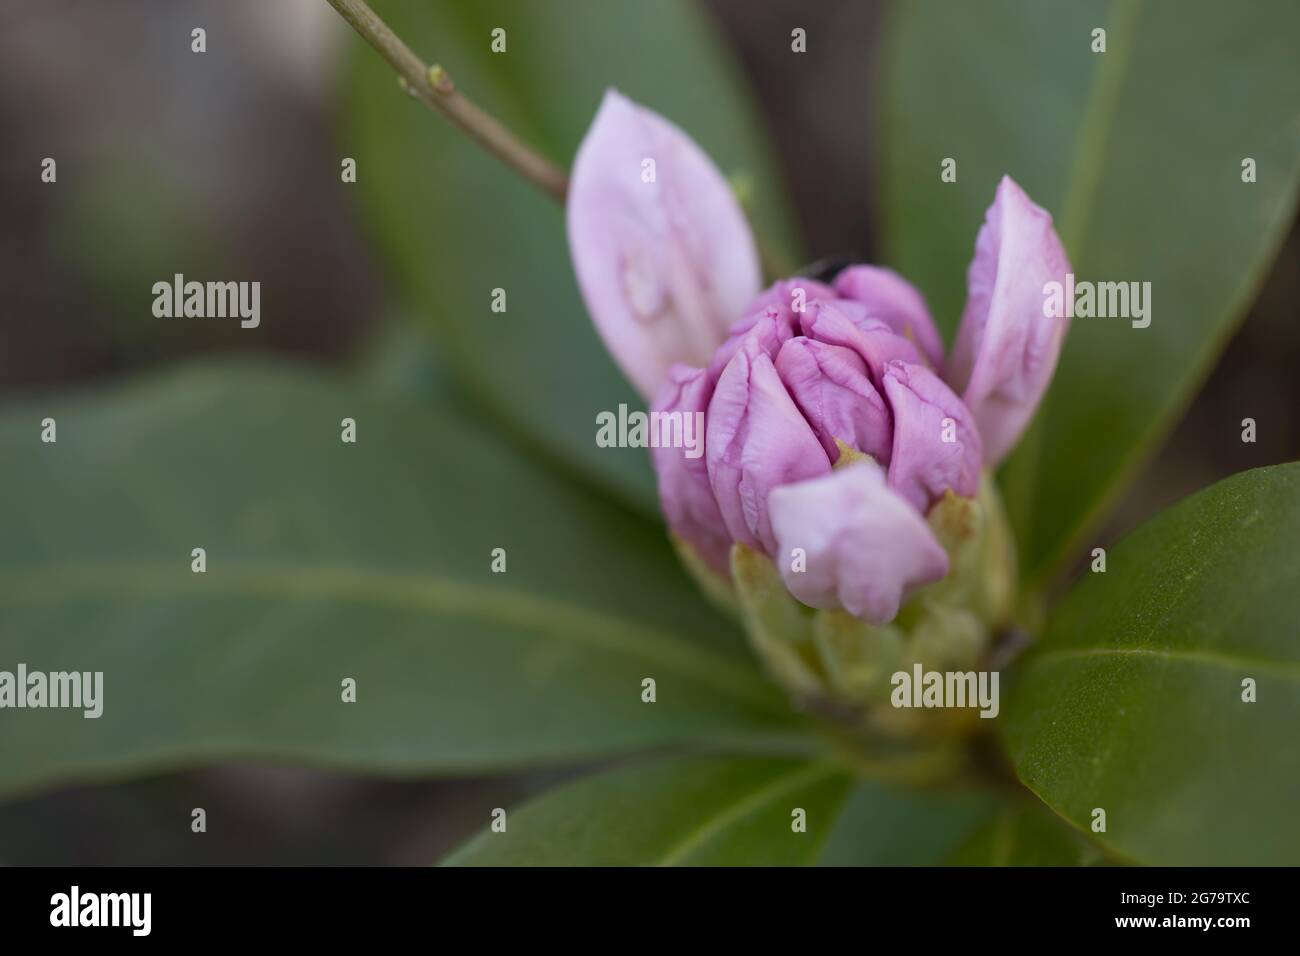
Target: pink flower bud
<point>864,548</point>
<point>789,377</point>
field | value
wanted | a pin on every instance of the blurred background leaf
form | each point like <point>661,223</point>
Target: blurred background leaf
<point>703,811</point>
<point>881,825</point>
<point>456,225</point>
<point>329,560</point>
<point>1132,702</point>
<point>1138,152</point>
<point>1025,833</point>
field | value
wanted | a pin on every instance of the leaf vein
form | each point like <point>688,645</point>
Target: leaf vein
<point>1284,669</point>
<point>729,814</point>
<point>418,591</point>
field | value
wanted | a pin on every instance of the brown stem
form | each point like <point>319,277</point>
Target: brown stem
<point>434,87</point>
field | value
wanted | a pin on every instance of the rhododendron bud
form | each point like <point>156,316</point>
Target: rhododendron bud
<point>660,245</point>
<point>1007,347</point>
<point>866,547</point>
<point>845,460</point>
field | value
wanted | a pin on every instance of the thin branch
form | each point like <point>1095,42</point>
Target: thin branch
<point>434,87</point>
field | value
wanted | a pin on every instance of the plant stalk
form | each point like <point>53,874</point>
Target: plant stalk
<point>433,86</point>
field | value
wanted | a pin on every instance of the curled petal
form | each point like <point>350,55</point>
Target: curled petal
<point>864,547</point>
<point>768,328</point>
<point>895,301</point>
<point>661,248</point>
<point>847,324</point>
<point>1006,348</point>
<point>936,442</point>
<point>756,441</point>
<point>684,491</point>
<point>830,385</point>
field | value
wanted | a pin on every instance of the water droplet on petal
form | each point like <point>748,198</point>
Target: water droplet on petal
<point>641,286</point>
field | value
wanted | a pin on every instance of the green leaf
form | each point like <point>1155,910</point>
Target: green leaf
<point>1025,834</point>
<point>1133,702</point>
<point>456,224</point>
<point>1138,151</point>
<point>326,561</point>
<point>883,826</point>
<point>702,811</point>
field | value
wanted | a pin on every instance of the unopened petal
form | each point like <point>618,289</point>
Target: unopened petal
<point>847,324</point>
<point>848,540</point>
<point>936,443</point>
<point>756,441</point>
<point>662,251</point>
<point>769,329</point>
<point>831,386</point>
<point>895,301</point>
<point>1007,348</point>
<point>683,477</point>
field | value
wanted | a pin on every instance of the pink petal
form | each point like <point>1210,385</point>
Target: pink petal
<point>1006,348</point>
<point>756,441</point>
<point>831,386</point>
<point>664,266</point>
<point>847,324</point>
<point>866,548</point>
<point>684,491</point>
<point>895,301</point>
<point>927,413</point>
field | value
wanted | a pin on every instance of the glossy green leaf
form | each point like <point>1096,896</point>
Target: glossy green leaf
<point>1025,834</point>
<point>703,811</point>
<point>456,224</point>
<point>1134,700</point>
<point>327,561</point>
<point>1138,152</point>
